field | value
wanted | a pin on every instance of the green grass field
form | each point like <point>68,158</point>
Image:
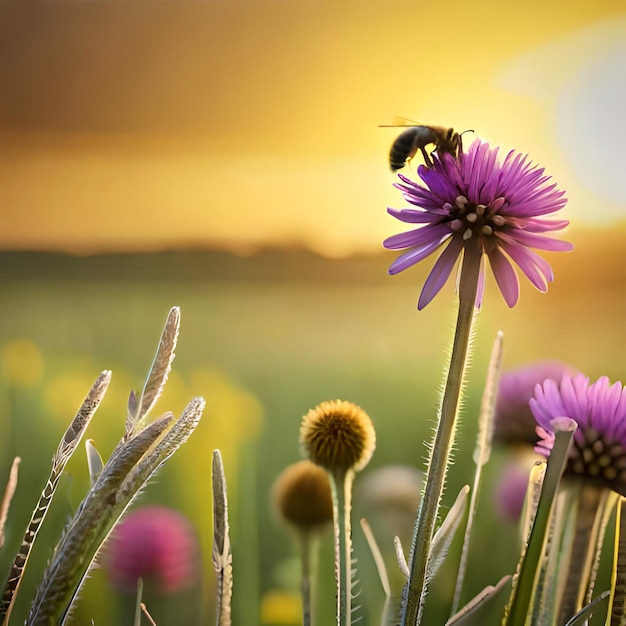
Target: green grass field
<point>263,348</point>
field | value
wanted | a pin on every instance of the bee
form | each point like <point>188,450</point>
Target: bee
<point>417,138</point>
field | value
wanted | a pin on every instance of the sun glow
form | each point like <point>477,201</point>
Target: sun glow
<point>167,143</point>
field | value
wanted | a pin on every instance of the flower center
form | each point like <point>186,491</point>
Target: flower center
<point>599,459</point>
<point>475,219</point>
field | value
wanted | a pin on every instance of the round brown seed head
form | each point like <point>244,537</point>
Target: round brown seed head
<point>338,435</point>
<point>302,495</point>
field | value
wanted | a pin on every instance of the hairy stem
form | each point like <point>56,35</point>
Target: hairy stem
<point>341,485</point>
<point>442,444</point>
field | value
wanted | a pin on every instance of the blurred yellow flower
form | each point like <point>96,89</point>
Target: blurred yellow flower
<point>21,362</point>
<point>281,607</point>
<point>64,393</point>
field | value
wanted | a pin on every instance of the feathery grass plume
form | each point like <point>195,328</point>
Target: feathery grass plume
<point>142,450</point>
<point>222,552</point>
<point>139,408</point>
<point>66,448</point>
<point>340,437</point>
<point>9,492</point>
<point>302,496</point>
<point>93,521</point>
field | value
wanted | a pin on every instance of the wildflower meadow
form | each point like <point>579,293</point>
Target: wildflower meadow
<point>260,498</point>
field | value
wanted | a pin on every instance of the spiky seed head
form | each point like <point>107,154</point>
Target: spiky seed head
<point>338,435</point>
<point>302,496</point>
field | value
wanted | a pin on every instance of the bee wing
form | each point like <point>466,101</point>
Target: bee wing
<point>399,121</point>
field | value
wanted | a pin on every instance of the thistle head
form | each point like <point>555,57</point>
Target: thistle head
<point>598,450</point>
<point>339,436</point>
<point>302,496</point>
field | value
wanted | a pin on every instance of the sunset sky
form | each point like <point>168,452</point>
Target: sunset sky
<point>149,125</point>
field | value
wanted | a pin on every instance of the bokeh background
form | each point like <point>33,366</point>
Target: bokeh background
<point>226,156</point>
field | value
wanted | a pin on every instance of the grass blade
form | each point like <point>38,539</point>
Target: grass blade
<point>379,561</point>
<point>68,444</point>
<point>401,558</point>
<point>470,614</point>
<point>530,565</point>
<point>446,532</point>
<point>586,612</point>
<point>8,496</point>
<point>617,601</point>
<point>94,461</point>
<point>222,553</point>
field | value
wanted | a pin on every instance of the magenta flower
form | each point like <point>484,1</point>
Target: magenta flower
<point>157,544</point>
<point>598,451</point>
<point>479,206</point>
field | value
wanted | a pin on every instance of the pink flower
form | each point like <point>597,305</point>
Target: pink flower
<point>475,201</point>
<point>157,544</point>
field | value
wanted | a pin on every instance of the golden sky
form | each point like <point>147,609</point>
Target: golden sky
<point>156,124</point>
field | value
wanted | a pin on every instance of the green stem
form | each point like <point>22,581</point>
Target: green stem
<point>590,505</point>
<point>341,484</point>
<point>307,552</point>
<point>440,453</point>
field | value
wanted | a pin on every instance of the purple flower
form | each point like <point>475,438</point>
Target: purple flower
<point>510,492</point>
<point>157,544</point>
<point>479,205</point>
<point>514,422</point>
<point>598,451</point>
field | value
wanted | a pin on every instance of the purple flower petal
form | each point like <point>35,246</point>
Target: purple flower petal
<point>440,272</point>
<point>411,216</point>
<point>542,226</point>
<point>412,257</point>
<point>534,267</point>
<point>418,238</point>
<point>542,243</point>
<point>505,276</point>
